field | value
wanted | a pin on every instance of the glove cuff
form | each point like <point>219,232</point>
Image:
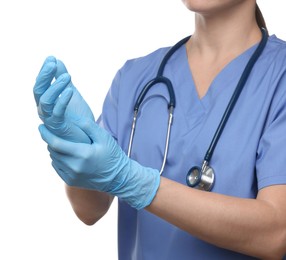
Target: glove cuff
<point>140,185</point>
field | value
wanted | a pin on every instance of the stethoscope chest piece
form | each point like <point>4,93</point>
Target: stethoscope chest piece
<point>201,178</point>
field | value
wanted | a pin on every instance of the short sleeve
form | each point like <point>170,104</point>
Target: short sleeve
<point>109,115</point>
<point>271,153</point>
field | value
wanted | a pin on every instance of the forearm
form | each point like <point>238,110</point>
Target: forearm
<point>248,226</point>
<point>88,205</point>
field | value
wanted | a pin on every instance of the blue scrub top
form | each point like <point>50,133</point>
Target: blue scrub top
<point>250,154</point>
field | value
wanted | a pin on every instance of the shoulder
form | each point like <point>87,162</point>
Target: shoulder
<point>136,70</point>
<point>276,42</point>
<point>271,66</point>
<point>146,64</point>
<point>275,51</point>
<point>270,79</point>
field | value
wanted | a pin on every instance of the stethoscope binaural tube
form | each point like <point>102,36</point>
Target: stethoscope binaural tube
<point>171,105</point>
<point>203,177</point>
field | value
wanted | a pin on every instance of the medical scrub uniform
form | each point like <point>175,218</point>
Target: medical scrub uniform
<point>249,156</point>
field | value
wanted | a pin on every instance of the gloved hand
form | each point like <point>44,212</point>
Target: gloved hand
<point>102,166</point>
<point>46,94</point>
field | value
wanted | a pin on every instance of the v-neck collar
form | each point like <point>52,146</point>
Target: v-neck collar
<point>226,78</point>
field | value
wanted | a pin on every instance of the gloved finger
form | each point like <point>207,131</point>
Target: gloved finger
<point>62,146</point>
<point>61,68</point>
<point>47,60</point>
<point>48,99</point>
<point>61,105</point>
<point>67,163</point>
<point>62,162</point>
<point>69,178</point>
<point>93,130</point>
<point>57,156</point>
<point>56,159</point>
<point>65,176</point>
<point>44,78</point>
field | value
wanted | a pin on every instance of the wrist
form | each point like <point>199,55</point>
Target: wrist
<point>140,185</point>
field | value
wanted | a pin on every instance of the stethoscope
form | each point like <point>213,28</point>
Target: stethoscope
<point>200,177</point>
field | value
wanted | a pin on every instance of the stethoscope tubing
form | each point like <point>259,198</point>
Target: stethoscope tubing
<point>170,53</point>
<point>235,95</point>
<point>171,105</point>
<point>150,84</point>
<point>209,177</point>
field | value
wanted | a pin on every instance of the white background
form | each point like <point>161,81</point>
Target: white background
<point>94,39</point>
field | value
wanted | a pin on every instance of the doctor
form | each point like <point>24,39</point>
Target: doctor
<point>160,217</point>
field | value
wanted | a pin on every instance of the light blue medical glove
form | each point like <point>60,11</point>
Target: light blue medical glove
<point>46,95</point>
<point>102,166</point>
